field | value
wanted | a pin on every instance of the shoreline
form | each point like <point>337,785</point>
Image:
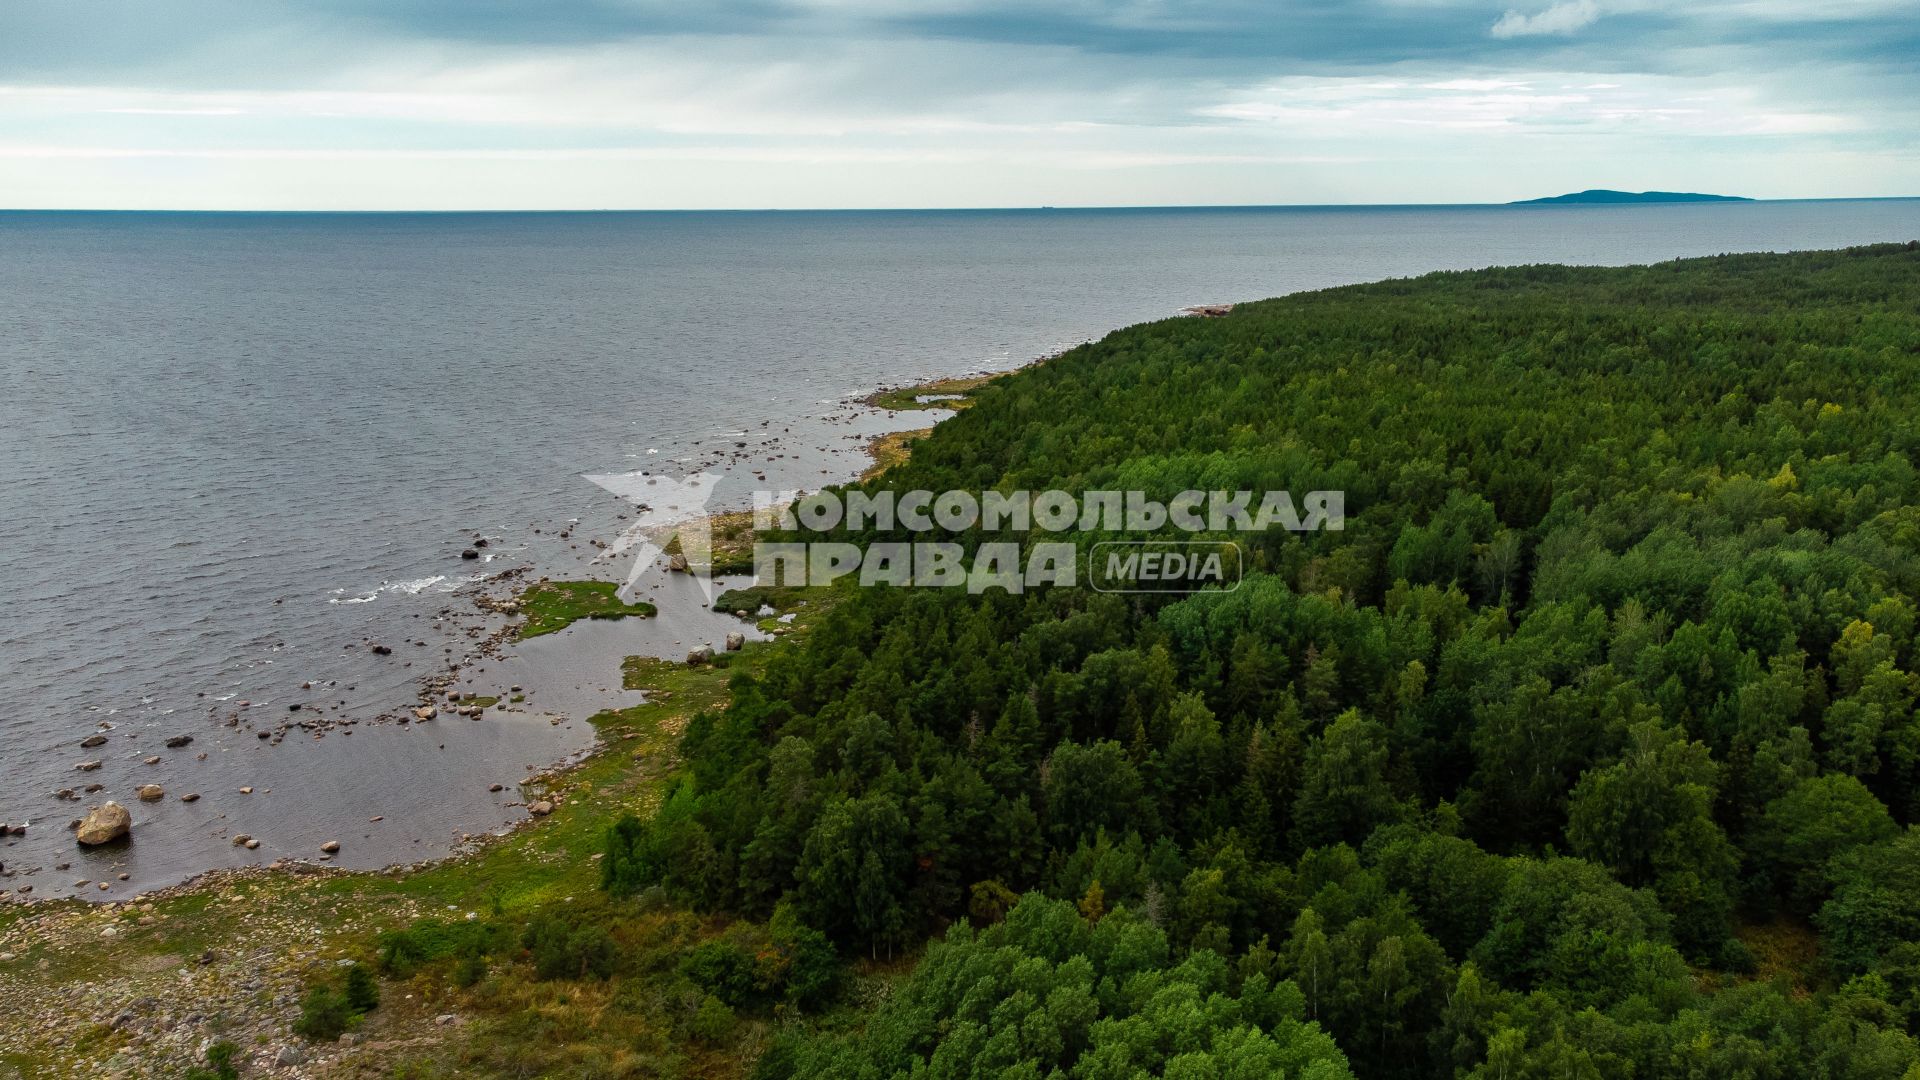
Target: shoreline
<point>491,623</point>
<point>239,944</point>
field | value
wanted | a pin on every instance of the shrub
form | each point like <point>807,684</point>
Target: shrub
<point>403,952</point>
<point>470,970</point>
<point>563,951</point>
<point>362,993</point>
<point>219,1063</point>
<point>324,1015</point>
<point>712,1022</point>
<point>724,970</point>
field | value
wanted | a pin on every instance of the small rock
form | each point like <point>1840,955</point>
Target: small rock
<point>290,1056</point>
<point>425,712</point>
<point>330,847</point>
<point>86,766</point>
<point>152,793</point>
<point>191,796</point>
<point>540,809</point>
<point>92,741</point>
<point>179,741</point>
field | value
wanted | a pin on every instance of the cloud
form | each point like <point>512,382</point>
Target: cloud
<point>1562,19</point>
<point>950,102</point>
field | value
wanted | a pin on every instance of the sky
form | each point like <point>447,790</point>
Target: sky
<point>638,104</point>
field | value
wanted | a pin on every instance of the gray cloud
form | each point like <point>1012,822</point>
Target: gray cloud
<point>1306,92</point>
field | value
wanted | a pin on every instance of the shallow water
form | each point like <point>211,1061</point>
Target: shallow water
<point>237,449</point>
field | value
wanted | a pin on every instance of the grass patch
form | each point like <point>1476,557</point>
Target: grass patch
<point>1782,947</point>
<point>956,393</point>
<point>731,536</point>
<point>646,672</point>
<point>554,605</point>
<point>891,449</point>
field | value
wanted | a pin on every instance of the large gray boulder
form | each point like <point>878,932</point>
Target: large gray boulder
<point>104,825</point>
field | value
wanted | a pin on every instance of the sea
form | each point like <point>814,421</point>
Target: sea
<point>239,450</point>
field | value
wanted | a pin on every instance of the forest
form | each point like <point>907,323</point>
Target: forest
<point>1586,749</point>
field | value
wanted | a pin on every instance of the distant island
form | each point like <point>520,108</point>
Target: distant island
<point>1605,195</point>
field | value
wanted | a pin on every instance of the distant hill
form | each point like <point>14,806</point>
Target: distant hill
<point>1604,195</point>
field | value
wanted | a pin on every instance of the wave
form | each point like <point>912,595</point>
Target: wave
<point>437,583</point>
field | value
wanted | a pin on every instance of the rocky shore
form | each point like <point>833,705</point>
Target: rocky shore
<point>137,987</point>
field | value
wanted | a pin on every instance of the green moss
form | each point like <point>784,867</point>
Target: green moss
<point>646,672</point>
<point>555,605</point>
<point>954,393</point>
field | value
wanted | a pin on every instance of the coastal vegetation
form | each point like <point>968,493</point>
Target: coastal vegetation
<point>730,547</point>
<point>1600,705</point>
<point>892,448</point>
<point>551,606</point>
<point>1587,748</point>
<point>954,393</point>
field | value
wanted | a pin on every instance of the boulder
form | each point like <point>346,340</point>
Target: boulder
<point>425,712</point>
<point>152,793</point>
<point>179,741</point>
<point>92,741</point>
<point>540,809</point>
<point>104,824</point>
<point>87,766</point>
<point>331,847</point>
<point>701,655</point>
<point>736,641</point>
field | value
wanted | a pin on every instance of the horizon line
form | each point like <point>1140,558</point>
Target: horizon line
<point>1533,204</point>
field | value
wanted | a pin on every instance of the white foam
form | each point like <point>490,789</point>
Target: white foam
<point>437,583</point>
